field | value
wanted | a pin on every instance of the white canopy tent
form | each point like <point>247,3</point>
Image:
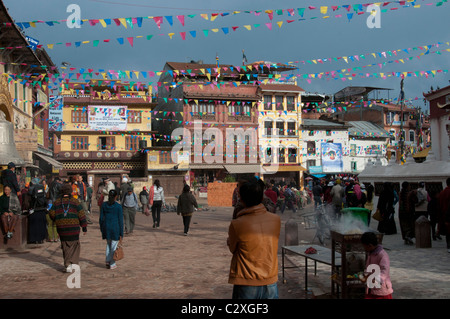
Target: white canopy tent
<point>429,171</point>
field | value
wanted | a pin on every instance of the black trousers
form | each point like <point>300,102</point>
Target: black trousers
<point>186,223</point>
<point>156,212</point>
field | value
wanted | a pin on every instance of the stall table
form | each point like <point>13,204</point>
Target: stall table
<point>323,256</point>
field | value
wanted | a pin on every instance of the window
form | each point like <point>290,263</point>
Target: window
<point>411,135</point>
<point>282,155</point>
<point>165,157</point>
<point>132,143</point>
<point>311,133</point>
<point>239,110</point>
<point>279,103</point>
<point>268,102</point>
<point>389,117</point>
<point>79,142</point>
<point>134,116</point>
<point>291,128</point>
<point>310,163</point>
<point>311,147</point>
<point>328,132</point>
<point>290,103</point>
<point>352,149</point>
<point>106,143</point>
<point>24,96</point>
<point>292,155</point>
<point>280,128</point>
<point>268,126</point>
<point>79,116</point>
<point>354,168</point>
<point>269,155</point>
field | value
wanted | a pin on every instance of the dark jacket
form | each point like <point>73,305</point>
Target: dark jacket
<point>9,178</point>
<point>186,204</point>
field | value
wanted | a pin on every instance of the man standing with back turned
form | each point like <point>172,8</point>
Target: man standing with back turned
<point>253,240</point>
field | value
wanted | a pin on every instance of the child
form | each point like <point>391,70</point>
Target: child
<point>379,284</point>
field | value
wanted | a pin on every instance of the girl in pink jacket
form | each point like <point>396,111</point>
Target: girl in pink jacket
<point>379,285</point>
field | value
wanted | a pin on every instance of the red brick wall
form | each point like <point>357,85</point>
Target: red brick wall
<point>220,194</point>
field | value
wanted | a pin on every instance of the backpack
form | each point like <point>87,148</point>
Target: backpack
<point>420,197</point>
<point>38,199</point>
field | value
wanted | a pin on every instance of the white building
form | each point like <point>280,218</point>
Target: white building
<point>367,143</point>
<point>358,143</point>
<point>317,134</point>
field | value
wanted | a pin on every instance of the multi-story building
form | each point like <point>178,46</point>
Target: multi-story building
<point>353,145</point>
<point>24,73</point>
<point>279,118</point>
<point>213,112</point>
<point>106,131</point>
<point>321,138</point>
<point>368,143</point>
<point>400,121</point>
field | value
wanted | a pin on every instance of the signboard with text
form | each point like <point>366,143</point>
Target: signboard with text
<point>55,114</point>
<point>107,118</point>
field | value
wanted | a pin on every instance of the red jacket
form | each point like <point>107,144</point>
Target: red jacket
<point>272,195</point>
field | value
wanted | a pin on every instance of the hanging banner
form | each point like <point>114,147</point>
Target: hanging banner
<point>331,157</point>
<point>107,118</point>
<point>55,114</point>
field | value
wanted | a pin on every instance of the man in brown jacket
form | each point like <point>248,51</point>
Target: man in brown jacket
<point>253,240</point>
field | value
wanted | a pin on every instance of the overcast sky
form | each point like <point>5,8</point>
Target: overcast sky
<point>294,41</point>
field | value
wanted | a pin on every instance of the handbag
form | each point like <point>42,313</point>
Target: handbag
<point>118,253</point>
<point>100,200</point>
<point>377,216</point>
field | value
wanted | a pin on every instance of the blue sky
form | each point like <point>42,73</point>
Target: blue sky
<point>306,40</point>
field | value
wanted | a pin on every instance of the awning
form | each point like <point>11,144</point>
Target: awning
<point>205,166</point>
<point>243,168</point>
<point>283,168</point>
<point>51,161</point>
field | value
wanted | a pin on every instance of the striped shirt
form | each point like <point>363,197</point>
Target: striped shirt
<point>69,216</point>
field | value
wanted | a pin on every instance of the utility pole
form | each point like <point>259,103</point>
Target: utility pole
<point>402,101</point>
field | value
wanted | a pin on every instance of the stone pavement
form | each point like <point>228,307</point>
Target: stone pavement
<point>164,264</point>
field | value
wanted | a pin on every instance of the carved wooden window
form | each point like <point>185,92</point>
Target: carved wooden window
<point>80,142</point>
<point>79,116</point>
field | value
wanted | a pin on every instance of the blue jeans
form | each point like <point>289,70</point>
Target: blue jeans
<point>111,246</point>
<point>255,292</point>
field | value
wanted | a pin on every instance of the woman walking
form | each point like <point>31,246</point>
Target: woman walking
<point>69,216</point>
<point>157,195</point>
<point>185,207</point>
<point>111,226</point>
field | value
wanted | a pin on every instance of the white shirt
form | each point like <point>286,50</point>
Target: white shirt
<point>158,194</point>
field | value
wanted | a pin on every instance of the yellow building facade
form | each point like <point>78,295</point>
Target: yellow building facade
<point>106,132</point>
<point>279,133</point>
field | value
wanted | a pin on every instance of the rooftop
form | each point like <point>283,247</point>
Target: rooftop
<point>365,128</point>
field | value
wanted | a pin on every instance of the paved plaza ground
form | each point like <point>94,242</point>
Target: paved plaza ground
<point>164,264</point>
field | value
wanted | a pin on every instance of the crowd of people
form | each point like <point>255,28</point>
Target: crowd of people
<point>336,193</point>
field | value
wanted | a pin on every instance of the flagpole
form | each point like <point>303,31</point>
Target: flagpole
<point>402,138</point>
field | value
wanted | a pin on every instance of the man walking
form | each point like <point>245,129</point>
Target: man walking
<point>130,205</point>
<point>337,195</point>
<point>253,241</point>
<point>82,196</point>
